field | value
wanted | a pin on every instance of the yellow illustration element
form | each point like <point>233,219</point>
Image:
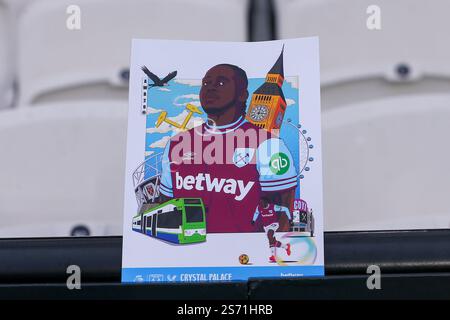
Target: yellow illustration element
<point>191,110</point>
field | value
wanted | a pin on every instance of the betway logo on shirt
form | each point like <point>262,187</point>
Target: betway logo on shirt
<point>203,182</point>
<point>267,213</point>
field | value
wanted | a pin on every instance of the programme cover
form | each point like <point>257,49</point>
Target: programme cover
<point>223,169</point>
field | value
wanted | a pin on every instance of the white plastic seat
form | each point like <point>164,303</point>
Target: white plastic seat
<point>62,166</point>
<point>57,64</point>
<point>384,130</point>
<point>386,164</point>
<point>6,63</point>
<point>411,32</point>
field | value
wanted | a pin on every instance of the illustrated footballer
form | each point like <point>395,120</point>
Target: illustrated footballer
<point>268,214</point>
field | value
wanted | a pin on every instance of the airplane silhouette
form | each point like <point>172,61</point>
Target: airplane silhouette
<point>157,82</point>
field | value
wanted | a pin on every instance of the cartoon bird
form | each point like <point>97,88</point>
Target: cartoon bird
<point>157,82</point>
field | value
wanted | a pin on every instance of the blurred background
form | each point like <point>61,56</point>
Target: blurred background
<point>385,87</point>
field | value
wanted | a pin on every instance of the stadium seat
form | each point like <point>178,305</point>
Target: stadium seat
<point>58,64</point>
<point>411,33</point>
<point>6,63</point>
<point>64,168</point>
<point>383,103</point>
<point>386,164</point>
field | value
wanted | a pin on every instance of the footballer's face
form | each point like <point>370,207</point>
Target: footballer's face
<point>218,90</point>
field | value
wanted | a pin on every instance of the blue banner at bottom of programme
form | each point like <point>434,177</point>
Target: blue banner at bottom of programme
<point>217,274</point>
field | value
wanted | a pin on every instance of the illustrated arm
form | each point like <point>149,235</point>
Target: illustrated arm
<point>283,209</point>
<point>255,216</point>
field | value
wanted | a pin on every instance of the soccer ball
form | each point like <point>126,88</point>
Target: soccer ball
<point>243,259</point>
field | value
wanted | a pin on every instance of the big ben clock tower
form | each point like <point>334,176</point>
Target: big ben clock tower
<point>268,104</point>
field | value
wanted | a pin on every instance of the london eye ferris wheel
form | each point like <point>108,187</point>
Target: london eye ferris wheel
<point>305,148</point>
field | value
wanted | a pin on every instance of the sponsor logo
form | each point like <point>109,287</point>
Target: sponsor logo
<point>279,163</point>
<point>204,182</point>
<point>268,213</point>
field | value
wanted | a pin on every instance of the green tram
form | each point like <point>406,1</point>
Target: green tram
<point>179,221</point>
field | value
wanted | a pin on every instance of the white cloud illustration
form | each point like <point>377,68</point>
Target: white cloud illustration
<point>293,81</point>
<point>151,110</point>
<point>163,128</point>
<point>290,102</point>
<point>193,122</point>
<point>163,89</point>
<point>161,143</point>
<point>187,98</point>
<point>191,83</point>
<point>191,96</point>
